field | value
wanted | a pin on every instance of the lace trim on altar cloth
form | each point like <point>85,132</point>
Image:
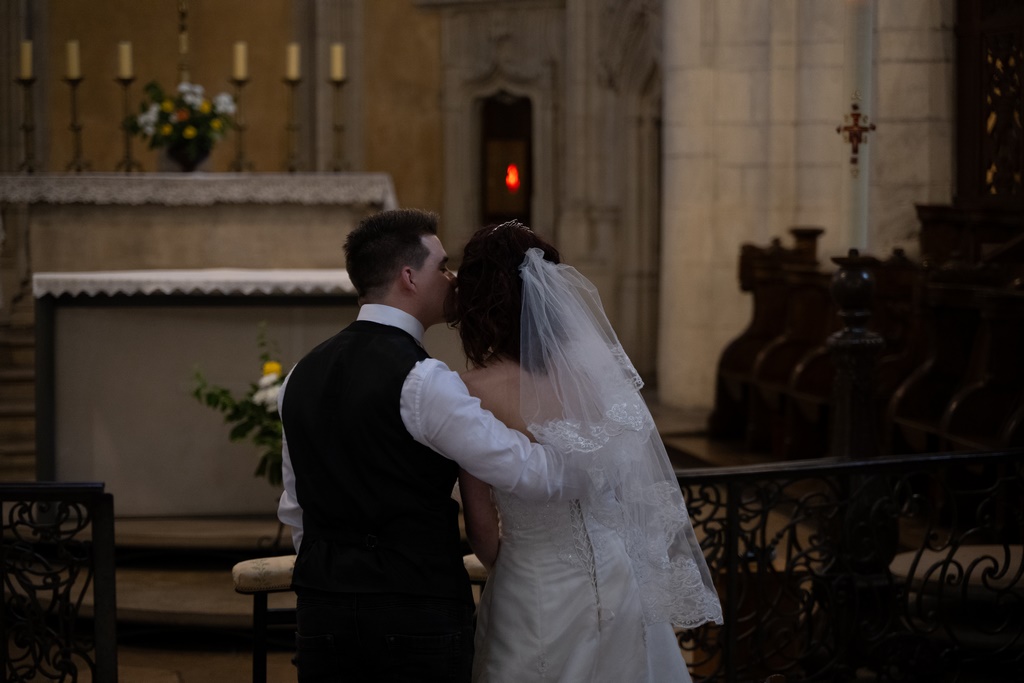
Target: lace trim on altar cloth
<point>227,281</point>
<point>201,189</point>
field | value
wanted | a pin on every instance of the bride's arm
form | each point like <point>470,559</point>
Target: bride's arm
<point>481,518</point>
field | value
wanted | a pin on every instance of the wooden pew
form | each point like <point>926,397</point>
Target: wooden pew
<point>977,414</point>
<point>761,272</point>
<point>810,318</point>
<point>809,394</point>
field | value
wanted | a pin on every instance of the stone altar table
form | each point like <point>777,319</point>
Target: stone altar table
<point>110,221</point>
<point>116,355</point>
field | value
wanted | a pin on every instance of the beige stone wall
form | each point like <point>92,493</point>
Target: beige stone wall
<point>398,67</point>
<point>402,102</point>
<point>753,96</point>
<point>152,28</point>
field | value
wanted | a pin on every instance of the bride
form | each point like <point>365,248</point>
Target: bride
<point>586,590</point>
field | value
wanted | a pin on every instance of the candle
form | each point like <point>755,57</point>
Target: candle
<point>124,60</point>
<point>292,70</point>
<point>337,62</point>
<point>74,69</point>
<point>26,59</point>
<point>241,71</point>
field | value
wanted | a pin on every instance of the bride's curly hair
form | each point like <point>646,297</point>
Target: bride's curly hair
<point>488,295</point>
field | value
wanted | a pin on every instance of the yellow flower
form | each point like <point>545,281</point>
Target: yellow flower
<point>216,124</point>
<point>166,129</point>
<point>271,367</point>
<point>205,107</point>
<point>167,106</point>
<point>189,132</point>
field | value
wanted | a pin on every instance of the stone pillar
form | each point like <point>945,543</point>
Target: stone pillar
<point>859,86</point>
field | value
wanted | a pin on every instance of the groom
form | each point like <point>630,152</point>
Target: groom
<point>375,432</point>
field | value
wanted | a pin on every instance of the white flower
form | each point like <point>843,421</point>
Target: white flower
<point>266,396</point>
<point>147,119</point>
<point>224,104</point>
<point>268,380</point>
<point>191,93</point>
<point>271,398</point>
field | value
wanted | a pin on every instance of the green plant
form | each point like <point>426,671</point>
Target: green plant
<point>254,415</point>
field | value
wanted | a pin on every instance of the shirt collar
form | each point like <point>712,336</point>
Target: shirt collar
<point>388,315</point>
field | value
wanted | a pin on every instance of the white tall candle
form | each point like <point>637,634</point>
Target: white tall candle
<point>337,62</point>
<point>291,71</point>
<point>26,59</point>
<point>74,69</point>
<point>124,60</point>
<point>241,70</point>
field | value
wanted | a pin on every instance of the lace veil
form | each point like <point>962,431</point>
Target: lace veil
<point>580,394</point>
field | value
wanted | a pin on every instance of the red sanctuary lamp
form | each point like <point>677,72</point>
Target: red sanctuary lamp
<point>512,178</point>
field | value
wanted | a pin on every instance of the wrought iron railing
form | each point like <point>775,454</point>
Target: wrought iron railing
<point>890,569</point>
<point>57,557</point>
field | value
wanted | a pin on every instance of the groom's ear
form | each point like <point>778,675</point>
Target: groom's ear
<point>407,279</point>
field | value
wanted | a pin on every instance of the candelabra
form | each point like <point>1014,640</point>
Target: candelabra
<point>293,126</point>
<point>240,163</point>
<point>28,126</point>
<point>127,164</point>
<point>76,164</point>
<point>339,129</point>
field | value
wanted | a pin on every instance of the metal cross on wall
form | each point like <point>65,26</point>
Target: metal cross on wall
<point>855,132</point>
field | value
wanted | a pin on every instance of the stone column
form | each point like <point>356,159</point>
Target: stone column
<point>858,86</point>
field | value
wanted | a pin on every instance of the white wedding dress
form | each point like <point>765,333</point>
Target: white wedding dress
<point>587,591</point>
<point>562,604</point>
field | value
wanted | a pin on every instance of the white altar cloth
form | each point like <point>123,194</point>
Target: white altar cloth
<point>200,189</point>
<point>206,281</point>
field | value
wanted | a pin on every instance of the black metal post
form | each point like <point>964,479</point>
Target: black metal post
<point>854,349</point>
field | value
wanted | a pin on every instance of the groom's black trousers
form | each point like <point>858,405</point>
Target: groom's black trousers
<point>356,637</point>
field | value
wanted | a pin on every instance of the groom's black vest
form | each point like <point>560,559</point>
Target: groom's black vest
<point>377,512</point>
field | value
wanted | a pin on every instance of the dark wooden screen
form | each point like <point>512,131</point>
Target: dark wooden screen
<point>990,103</point>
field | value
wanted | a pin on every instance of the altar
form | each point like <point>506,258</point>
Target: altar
<point>117,354</point>
<point>140,281</point>
<point>109,221</point>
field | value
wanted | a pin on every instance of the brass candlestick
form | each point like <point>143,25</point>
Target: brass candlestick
<point>293,126</point>
<point>28,126</point>
<point>240,163</point>
<point>339,163</point>
<point>76,164</point>
<point>127,163</point>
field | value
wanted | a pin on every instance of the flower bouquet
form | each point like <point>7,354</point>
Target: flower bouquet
<point>254,415</point>
<point>186,125</point>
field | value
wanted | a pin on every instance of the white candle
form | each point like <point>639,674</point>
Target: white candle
<point>241,70</point>
<point>292,69</point>
<point>124,60</point>
<point>74,69</point>
<point>26,59</point>
<point>337,62</point>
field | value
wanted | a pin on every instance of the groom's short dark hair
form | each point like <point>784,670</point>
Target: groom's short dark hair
<point>383,244</point>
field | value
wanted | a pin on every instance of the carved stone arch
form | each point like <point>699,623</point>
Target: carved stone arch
<point>487,52</point>
<point>462,154</point>
<point>632,33</point>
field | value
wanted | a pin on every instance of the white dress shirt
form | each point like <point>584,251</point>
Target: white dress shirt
<point>439,413</point>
